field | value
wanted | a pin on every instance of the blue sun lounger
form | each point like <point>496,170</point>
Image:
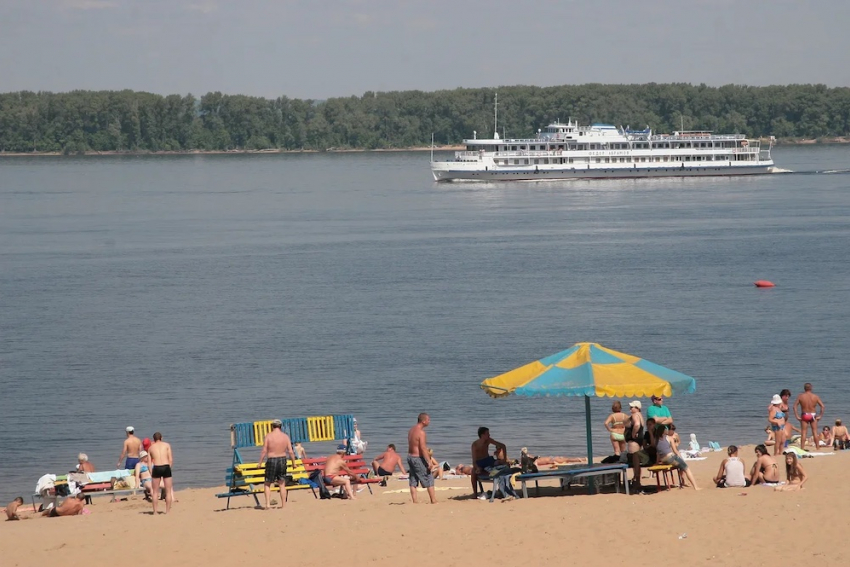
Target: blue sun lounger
<point>565,475</point>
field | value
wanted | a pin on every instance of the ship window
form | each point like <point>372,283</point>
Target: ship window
<point>516,162</point>
<point>571,160</point>
<point>607,160</point>
<point>525,162</point>
<point>513,148</point>
<point>597,160</point>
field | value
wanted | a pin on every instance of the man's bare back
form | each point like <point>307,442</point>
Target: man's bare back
<point>160,453</point>
<point>480,449</point>
<point>70,507</point>
<point>389,460</point>
<point>335,465</point>
<point>278,444</point>
<point>809,401</point>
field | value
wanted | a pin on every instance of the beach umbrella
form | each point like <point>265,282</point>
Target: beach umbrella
<point>589,369</point>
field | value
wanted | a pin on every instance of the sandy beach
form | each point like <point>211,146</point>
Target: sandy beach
<point>753,526</point>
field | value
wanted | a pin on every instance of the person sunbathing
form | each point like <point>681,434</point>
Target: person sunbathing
<point>70,507</point>
<point>764,470</point>
<point>543,461</point>
<point>12,508</point>
<point>463,469</point>
<point>795,474</point>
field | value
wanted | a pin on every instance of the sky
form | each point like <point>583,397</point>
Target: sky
<point>327,48</point>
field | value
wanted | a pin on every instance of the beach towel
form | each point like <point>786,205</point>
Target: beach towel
<point>805,454</point>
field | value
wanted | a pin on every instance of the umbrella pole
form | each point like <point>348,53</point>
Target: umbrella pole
<point>590,485</point>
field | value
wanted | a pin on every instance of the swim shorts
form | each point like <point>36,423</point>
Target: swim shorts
<point>419,472</point>
<point>487,462</point>
<point>382,472</point>
<point>809,417</point>
<point>275,470</point>
<point>131,463</point>
<point>161,471</point>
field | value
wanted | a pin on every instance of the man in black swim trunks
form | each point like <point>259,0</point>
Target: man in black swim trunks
<point>481,457</point>
<point>385,463</point>
<point>276,446</point>
<point>70,507</point>
<point>160,454</point>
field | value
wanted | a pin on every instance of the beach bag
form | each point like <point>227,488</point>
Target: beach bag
<point>319,482</point>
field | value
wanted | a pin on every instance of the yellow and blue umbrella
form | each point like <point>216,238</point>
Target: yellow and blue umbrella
<point>590,369</point>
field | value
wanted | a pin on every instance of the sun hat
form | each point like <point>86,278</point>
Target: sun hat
<point>635,404</point>
<point>277,422</point>
<point>776,401</point>
<point>143,454</point>
<point>130,429</point>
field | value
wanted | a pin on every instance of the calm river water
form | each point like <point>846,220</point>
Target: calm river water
<point>182,294</point>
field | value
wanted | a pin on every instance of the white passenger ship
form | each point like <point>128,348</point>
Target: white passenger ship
<point>570,151</point>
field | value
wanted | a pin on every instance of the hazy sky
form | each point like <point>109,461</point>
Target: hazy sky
<point>327,48</point>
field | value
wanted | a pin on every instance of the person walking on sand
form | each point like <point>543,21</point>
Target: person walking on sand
<point>275,448</point>
<point>132,446</point>
<point>417,459</point>
<point>162,460</point>
<point>805,410</point>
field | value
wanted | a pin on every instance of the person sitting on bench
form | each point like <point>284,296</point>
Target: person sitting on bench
<point>337,473</point>
<point>482,460</point>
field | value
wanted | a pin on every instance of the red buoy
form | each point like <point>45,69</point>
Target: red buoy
<point>764,283</point>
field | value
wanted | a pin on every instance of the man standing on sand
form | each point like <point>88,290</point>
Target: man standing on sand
<point>805,410</point>
<point>276,446</point>
<point>131,449</point>
<point>417,459</point>
<point>160,454</point>
<point>659,411</point>
<point>385,463</point>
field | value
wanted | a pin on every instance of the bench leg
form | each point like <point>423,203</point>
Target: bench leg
<point>626,481</point>
<point>524,490</point>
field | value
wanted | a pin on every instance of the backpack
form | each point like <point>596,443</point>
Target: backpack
<point>319,482</point>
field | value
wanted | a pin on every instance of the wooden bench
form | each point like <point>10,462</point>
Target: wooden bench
<point>248,479</point>
<point>580,471</point>
<point>355,463</point>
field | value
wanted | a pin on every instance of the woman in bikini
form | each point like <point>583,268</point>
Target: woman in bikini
<point>764,469</point>
<point>795,474</point>
<point>776,418</point>
<point>616,426</point>
<point>143,474</point>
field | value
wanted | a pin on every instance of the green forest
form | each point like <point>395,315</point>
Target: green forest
<point>82,121</point>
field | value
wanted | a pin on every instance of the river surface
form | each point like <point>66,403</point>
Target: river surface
<point>182,294</point>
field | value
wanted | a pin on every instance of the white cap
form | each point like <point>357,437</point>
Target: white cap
<point>776,401</point>
<point>130,429</point>
<point>635,404</point>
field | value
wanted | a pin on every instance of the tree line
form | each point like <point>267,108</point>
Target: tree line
<point>81,121</point>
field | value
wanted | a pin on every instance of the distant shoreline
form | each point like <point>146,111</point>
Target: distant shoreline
<point>781,142</point>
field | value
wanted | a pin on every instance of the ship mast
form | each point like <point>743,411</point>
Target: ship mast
<point>496,118</point>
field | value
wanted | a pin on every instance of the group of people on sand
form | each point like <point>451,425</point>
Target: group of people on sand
<point>764,471</point>
<point>150,461</point>
<point>780,430</point>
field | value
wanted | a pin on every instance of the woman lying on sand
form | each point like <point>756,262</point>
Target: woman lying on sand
<point>795,474</point>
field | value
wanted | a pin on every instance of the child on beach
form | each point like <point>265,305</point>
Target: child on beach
<point>12,508</point>
<point>795,474</point>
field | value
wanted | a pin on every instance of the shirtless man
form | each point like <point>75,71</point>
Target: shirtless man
<point>385,463</point>
<point>417,459</point>
<point>840,436</point>
<point>276,446</point>
<point>337,473</point>
<point>764,469</point>
<point>12,508</point>
<point>132,446</point>
<point>70,507</point>
<point>805,410</point>
<point>84,465</point>
<point>481,457</point>
<point>162,460</point>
